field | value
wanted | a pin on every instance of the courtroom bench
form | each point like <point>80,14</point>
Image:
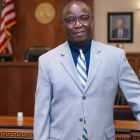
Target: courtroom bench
<point>17,87</point>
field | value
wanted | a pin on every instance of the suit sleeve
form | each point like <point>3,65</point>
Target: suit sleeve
<point>130,86</point>
<point>42,104</point>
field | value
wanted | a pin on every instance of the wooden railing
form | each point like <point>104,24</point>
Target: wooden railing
<point>18,85</point>
<point>10,128</point>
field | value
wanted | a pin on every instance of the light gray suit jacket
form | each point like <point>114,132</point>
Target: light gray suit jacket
<point>60,104</point>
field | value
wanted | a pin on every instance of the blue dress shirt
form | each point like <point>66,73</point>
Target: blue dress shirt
<point>86,50</point>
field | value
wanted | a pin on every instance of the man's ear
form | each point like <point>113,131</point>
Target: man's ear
<point>62,23</point>
<point>92,21</point>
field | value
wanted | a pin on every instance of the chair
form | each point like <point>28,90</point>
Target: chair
<point>33,53</point>
<point>5,58</point>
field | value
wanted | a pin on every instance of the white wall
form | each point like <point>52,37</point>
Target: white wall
<point>102,7</point>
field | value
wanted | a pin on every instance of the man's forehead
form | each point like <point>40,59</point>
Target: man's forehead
<point>75,5</point>
<point>120,20</point>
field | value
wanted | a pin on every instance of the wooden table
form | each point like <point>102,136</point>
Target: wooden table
<point>11,128</point>
<point>28,121</point>
<point>12,121</point>
<point>122,124</point>
<point>126,130</point>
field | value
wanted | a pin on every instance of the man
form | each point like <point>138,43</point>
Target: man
<point>74,98</point>
<point>120,32</point>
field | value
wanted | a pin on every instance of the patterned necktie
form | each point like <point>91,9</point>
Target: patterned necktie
<point>81,69</point>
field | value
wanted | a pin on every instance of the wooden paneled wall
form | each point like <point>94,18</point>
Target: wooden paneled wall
<point>29,32</point>
<point>134,61</point>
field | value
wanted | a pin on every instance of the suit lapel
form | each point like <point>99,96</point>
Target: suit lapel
<point>68,64</point>
<point>95,60</point>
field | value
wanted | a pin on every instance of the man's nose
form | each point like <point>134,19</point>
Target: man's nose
<point>77,24</point>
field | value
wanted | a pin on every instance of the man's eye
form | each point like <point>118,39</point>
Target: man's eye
<point>84,18</point>
<point>70,20</point>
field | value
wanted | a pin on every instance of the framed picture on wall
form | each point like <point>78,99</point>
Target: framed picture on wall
<point>120,27</point>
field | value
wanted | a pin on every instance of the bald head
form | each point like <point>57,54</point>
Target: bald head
<point>74,2</point>
<point>77,21</point>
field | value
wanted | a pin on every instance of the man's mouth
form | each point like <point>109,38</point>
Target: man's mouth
<point>79,33</point>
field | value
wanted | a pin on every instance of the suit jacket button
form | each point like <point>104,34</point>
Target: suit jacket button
<point>84,97</point>
<point>80,119</point>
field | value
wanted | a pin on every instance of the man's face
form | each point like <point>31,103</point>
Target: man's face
<point>120,23</point>
<point>78,33</point>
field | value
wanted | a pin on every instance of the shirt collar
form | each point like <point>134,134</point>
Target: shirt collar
<point>84,48</point>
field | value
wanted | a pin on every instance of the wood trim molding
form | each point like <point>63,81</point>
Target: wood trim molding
<point>16,133</point>
<point>122,107</point>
